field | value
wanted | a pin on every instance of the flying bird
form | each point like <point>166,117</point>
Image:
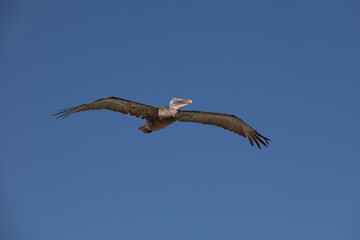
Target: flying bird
<point>160,117</point>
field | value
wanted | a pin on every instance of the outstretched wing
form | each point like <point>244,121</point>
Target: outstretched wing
<point>114,104</point>
<point>226,121</point>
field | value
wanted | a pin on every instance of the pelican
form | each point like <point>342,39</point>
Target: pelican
<point>160,117</point>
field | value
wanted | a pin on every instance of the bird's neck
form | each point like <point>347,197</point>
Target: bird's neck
<point>174,111</point>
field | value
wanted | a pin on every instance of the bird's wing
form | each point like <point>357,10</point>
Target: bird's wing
<point>226,121</point>
<point>113,104</point>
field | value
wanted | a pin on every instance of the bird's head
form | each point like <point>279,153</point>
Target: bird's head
<point>177,103</point>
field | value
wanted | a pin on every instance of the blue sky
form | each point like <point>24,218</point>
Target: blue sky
<point>288,68</point>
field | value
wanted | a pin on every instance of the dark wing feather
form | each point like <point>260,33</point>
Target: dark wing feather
<point>226,121</point>
<point>114,104</point>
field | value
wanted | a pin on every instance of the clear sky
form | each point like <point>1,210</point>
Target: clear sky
<point>290,69</point>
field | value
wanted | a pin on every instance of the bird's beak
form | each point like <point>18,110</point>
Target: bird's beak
<point>188,101</point>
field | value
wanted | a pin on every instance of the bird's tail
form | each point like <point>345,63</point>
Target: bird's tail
<point>144,129</point>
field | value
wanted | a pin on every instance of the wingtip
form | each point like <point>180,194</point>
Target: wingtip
<point>258,138</point>
<point>63,113</point>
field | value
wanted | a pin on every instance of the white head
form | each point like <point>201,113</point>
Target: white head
<point>177,103</point>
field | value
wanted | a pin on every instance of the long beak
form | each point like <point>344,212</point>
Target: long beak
<point>188,101</point>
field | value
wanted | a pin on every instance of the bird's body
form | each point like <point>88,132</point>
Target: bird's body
<point>158,118</point>
<point>156,124</point>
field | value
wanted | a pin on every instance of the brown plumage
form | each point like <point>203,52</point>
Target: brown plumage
<point>114,104</point>
<point>225,121</point>
<point>160,117</point>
